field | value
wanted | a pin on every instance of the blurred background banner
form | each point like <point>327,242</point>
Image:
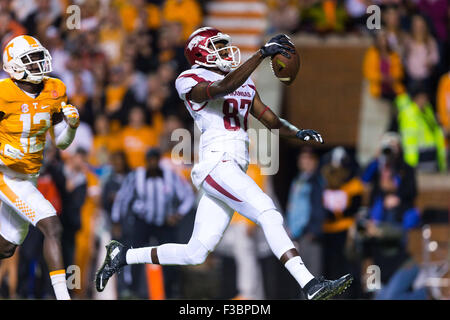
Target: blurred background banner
<point>375,194</point>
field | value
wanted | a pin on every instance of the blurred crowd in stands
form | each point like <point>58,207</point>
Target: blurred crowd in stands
<point>119,69</point>
<point>408,66</point>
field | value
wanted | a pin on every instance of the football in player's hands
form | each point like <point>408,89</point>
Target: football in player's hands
<point>286,69</point>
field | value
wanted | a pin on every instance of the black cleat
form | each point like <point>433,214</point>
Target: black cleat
<point>114,261</point>
<point>326,289</point>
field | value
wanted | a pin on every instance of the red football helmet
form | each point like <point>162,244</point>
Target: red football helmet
<point>200,49</point>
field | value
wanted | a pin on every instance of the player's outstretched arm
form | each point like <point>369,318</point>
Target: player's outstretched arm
<point>233,80</point>
<point>267,117</point>
<point>64,132</point>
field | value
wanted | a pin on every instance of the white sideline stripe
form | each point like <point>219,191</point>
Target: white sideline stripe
<point>250,40</point>
<point>240,7</point>
<point>236,23</point>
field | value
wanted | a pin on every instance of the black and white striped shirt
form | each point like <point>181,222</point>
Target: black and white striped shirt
<point>153,198</point>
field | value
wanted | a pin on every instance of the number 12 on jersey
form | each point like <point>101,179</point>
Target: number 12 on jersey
<point>231,113</point>
<point>28,141</point>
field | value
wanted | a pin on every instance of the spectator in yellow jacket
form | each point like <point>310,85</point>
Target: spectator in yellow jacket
<point>422,137</point>
<point>383,69</point>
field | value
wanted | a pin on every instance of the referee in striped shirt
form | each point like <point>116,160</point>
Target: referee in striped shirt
<point>148,206</point>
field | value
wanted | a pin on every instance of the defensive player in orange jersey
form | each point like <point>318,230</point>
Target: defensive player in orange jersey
<point>30,105</point>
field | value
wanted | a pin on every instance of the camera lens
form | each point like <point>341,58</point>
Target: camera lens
<point>387,151</point>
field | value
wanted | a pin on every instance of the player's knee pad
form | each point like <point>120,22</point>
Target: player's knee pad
<point>270,217</point>
<point>196,252</point>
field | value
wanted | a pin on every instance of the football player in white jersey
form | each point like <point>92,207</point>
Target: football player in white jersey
<point>219,95</point>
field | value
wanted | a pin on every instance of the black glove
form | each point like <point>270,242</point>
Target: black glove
<point>307,134</point>
<point>277,44</point>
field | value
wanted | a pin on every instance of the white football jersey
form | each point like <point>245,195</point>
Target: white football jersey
<point>223,122</point>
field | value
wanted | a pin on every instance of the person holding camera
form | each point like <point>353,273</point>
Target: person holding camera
<point>393,183</point>
<point>391,213</point>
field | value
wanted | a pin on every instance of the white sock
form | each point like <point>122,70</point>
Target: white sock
<point>59,284</point>
<point>139,255</point>
<point>298,270</point>
<point>271,222</point>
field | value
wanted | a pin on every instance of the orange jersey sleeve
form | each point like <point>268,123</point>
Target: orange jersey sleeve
<point>26,121</point>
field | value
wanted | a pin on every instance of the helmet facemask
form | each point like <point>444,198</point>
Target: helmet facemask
<point>214,58</point>
<point>31,66</point>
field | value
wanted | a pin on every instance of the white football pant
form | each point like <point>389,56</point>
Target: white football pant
<point>21,204</point>
<point>227,189</point>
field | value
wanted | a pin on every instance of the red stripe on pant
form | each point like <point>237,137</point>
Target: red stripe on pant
<point>216,186</point>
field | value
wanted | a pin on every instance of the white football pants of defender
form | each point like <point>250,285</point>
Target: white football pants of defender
<point>22,204</point>
<point>227,189</point>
